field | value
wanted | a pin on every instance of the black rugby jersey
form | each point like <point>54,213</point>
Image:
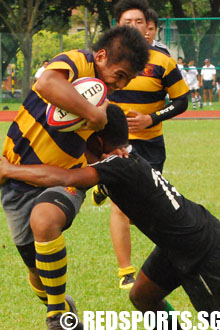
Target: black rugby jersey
<point>185,231</point>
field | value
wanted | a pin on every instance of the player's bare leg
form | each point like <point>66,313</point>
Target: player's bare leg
<point>36,285</point>
<point>205,97</point>
<point>120,233</point>
<point>146,295</point>
<point>193,98</point>
<point>210,97</point>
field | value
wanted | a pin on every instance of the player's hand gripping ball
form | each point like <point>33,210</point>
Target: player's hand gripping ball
<point>94,91</point>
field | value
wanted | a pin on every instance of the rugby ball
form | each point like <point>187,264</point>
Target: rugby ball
<point>92,89</point>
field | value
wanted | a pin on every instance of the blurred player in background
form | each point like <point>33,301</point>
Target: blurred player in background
<point>208,78</point>
<point>181,66</point>
<point>36,216</point>
<point>41,69</point>
<point>193,81</point>
<point>143,102</point>
<point>218,88</point>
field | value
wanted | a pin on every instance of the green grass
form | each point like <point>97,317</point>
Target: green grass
<point>13,106</point>
<point>214,106</point>
<point>3,130</point>
<point>192,165</point>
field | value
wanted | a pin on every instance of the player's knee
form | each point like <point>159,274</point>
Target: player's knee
<point>134,296</point>
<point>144,300</point>
<point>139,300</point>
<point>45,219</point>
<point>39,222</point>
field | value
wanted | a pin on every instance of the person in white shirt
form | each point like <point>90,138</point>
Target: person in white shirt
<point>180,64</point>
<point>193,82</point>
<point>208,77</point>
<point>218,88</point>
<point>41,69</point>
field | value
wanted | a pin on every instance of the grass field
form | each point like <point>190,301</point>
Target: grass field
<point>15,106</point>
<point>192,165</point>
<point>11,106</point>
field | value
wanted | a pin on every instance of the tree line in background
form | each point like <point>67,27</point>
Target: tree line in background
<point>25,24</point>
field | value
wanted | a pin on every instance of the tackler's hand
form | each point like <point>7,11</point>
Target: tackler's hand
<point>121,152</point>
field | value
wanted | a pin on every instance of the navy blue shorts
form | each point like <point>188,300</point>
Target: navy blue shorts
<point>207,84</point>
<point>152,150</point>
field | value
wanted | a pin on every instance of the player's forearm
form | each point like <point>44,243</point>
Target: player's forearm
<point>43,175</point>
<point>50,176</point>
<point>57,90</point>
<point>171,110</point>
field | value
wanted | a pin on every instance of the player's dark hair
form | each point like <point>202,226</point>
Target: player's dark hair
<point>116,129</point>
<point>124,5</point>
<point>115,133</point>
<point>153,16</point>
<point>124,43</point>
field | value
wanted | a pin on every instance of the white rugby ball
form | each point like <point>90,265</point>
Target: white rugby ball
<point>94,91</point>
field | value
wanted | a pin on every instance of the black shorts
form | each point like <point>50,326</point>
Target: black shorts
<point>160,270</point>
<point>194,90</point>
<point>152,150</point>
<point>202,286</point>
<point>207,84</point>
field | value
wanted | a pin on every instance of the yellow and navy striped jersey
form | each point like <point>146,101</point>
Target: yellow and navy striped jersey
<point>30,140</point>
<point>146,93</point>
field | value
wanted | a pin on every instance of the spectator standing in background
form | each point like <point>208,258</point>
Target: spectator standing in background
<point>193,83</point>
<point>180,64</point>
<point>218,88</point>
<point>208,77</point>
<point>41,69</point>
